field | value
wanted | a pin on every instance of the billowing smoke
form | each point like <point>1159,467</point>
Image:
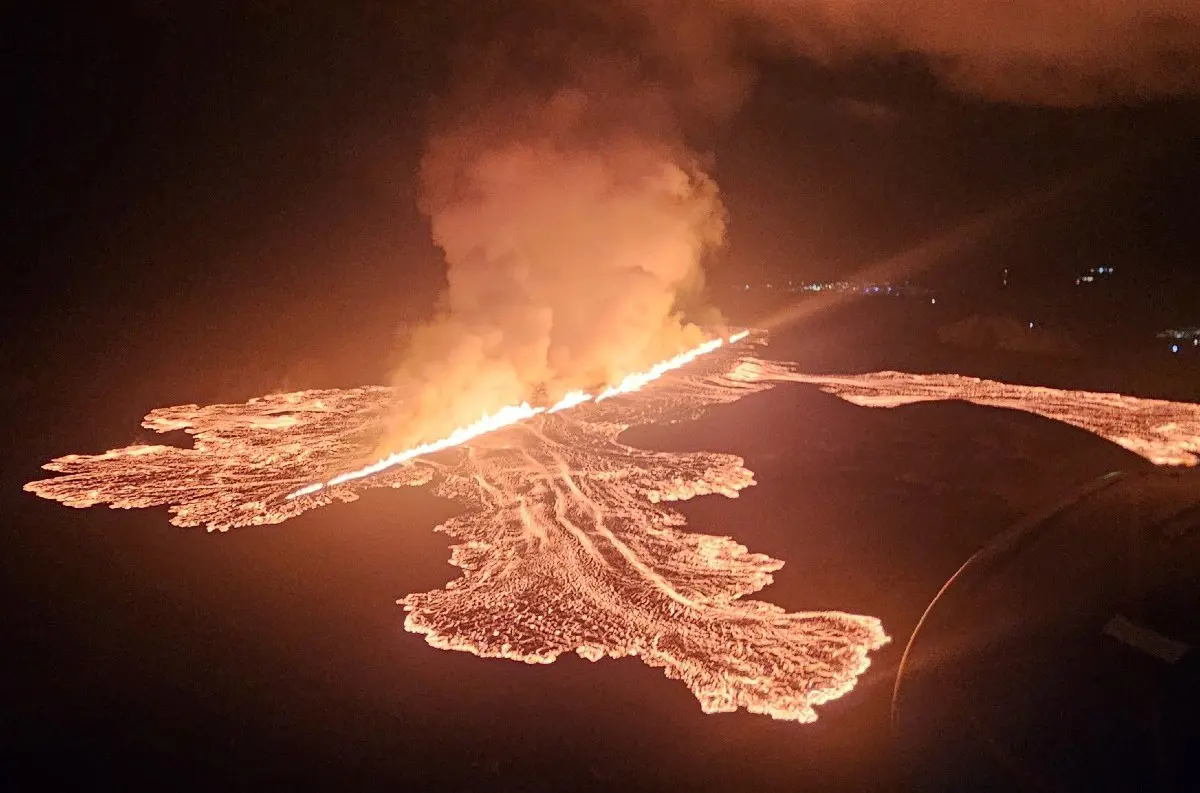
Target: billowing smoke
<point>1059,52</point>
<point>574,221</point>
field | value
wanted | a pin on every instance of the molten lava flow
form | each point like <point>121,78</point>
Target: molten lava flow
<point>1166,433</point>
<point>511,414</point>
<point>572,399</point>
<point>508,415</point>
<point>639,380</point>
<point>566,543</point>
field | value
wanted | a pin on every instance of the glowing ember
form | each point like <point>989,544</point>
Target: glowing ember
<point>1166,433</point>
<point>566,542</point>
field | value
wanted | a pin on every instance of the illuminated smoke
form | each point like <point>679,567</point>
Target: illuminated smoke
<point>573,215</point>
<point>1070,52</point>
<point>574,221</point>
<point>512,414</point>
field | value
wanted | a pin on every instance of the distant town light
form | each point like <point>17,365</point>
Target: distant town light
<point>1174,348</point>
<point>903,289</point>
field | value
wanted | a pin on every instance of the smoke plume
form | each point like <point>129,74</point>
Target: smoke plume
<point>573,219</point>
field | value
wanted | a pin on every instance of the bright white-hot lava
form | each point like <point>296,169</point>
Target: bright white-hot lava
<point>511,414</point>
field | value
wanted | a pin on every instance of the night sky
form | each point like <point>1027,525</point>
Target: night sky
<point>240,178</point>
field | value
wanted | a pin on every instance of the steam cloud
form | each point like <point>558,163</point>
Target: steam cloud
<point>573,216</point>
<point>574,221</point>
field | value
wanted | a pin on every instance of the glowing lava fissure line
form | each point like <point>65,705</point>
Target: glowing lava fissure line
<point>512,414</point>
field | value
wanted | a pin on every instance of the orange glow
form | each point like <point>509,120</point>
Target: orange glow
<point>504,417</point>
<point>512,414</point>
<point>1165,433</point>
<point>572,399</point>
<point>566,540</point>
